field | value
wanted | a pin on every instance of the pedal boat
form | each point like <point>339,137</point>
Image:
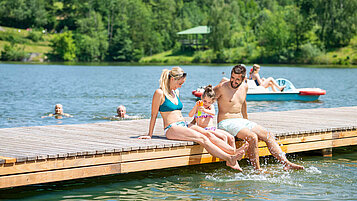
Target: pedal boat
<point>290,93</point>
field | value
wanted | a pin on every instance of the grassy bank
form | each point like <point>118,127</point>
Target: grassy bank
<point>346,56</point>
<point>31,41</point>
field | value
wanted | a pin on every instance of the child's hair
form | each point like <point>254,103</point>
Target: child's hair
<point>209,92</point>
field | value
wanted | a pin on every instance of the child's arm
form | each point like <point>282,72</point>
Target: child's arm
<point>194,110</point>
<point>210,111</point>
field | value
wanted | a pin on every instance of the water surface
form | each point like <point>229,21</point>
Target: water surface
<point>92,93</point>
<point>323,179</point>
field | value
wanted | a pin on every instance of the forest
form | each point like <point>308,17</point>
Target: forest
<point>241,31</point>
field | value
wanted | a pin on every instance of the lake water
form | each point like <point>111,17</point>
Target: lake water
<point>92,93</point>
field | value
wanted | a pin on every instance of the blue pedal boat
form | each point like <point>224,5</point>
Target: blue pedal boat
<point>290,93</point>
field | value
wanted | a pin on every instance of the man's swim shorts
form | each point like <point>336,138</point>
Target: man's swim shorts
<point>233,126</point>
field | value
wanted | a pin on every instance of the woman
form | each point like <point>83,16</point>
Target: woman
<point>269,82</point>
<point>166,101</point>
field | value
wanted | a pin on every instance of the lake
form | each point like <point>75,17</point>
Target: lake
<point>92,93</point>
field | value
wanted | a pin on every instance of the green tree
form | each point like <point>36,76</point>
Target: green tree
<point>23,13</point>
<point>92,40</point>
<point>274,36</point>
<point>219,26</point>
<point>337,21</point>
<point>13,52</point>
<point>63,47</point>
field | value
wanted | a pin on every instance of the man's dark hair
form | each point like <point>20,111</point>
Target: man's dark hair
<point>239,69</point>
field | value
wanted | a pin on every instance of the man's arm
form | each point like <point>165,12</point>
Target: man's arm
<point>217,88</point>
<point>244,110</point>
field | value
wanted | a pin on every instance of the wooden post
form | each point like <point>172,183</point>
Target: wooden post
<point>326,152</point>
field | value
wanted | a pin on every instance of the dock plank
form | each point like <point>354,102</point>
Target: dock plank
<point>39,154</point>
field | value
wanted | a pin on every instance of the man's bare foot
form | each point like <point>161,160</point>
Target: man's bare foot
<point>292,166</point>
<point>240,152</point>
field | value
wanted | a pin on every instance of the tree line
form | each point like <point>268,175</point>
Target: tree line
<point>275,31</point>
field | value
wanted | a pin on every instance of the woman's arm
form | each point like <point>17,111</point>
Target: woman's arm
<point>156,102</point>
<point>194,110</point>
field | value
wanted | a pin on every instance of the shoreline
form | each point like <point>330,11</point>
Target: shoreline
<point>174,64</point>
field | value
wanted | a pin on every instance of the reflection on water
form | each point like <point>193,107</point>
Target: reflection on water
<point>323,179</point>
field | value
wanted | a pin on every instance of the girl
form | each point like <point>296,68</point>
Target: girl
<point>205,119</point>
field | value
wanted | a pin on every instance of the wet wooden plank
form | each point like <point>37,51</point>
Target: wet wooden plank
<point>47,150</point>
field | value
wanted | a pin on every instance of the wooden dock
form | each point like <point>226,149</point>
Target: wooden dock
<point>40,154</point>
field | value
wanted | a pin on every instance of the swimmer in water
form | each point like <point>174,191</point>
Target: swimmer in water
<point>58,112</point>
<point>121,110</point>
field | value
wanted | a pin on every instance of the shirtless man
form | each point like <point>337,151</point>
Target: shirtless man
<point>121,110</point>
<point>58,112</point>
<point>233,118</point>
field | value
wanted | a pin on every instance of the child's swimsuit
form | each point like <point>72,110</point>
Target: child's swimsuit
<point>205,115</point>
<point>169,106</point>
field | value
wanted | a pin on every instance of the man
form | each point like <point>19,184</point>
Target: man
<point>121,110</point>
<point>233,118</point>
<point>58,112</point>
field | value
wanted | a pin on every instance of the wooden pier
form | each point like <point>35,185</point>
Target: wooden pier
<point>40,154</point>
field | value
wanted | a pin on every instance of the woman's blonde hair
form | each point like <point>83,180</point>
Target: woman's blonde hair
<point>255,67</point>
<point>176,72</point>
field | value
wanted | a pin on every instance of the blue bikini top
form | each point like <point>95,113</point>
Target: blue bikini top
<point>169,106</point>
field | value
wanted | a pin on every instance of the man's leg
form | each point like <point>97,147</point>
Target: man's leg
<point>274,148</point>
<point>252,139</point>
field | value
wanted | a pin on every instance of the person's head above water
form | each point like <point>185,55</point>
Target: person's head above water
<point>237,75</point>
<point>172,80</point>
<point>58,109</point>
<point>121,110</point>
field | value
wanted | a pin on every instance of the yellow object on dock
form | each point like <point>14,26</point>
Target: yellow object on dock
<point>40,154</point>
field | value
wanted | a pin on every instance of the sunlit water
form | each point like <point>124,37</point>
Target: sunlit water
<point>92,93</point>
<point>323,179</point>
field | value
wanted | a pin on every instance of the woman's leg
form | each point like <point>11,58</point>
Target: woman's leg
<point>274,148</point>
<point>230,139</point>
<point>274,83</point>
<point>214,139</point>
<point>268,83</point>
<point>188,134</point>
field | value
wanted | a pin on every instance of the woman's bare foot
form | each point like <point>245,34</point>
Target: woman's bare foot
<point>239,154</point>
<point>292,166</point>
<point>234,166</point>
<point>282,88</point>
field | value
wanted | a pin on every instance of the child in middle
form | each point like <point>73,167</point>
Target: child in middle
<point>204,113</point>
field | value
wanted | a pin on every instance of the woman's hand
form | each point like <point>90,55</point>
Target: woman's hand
<point>144,137</point>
